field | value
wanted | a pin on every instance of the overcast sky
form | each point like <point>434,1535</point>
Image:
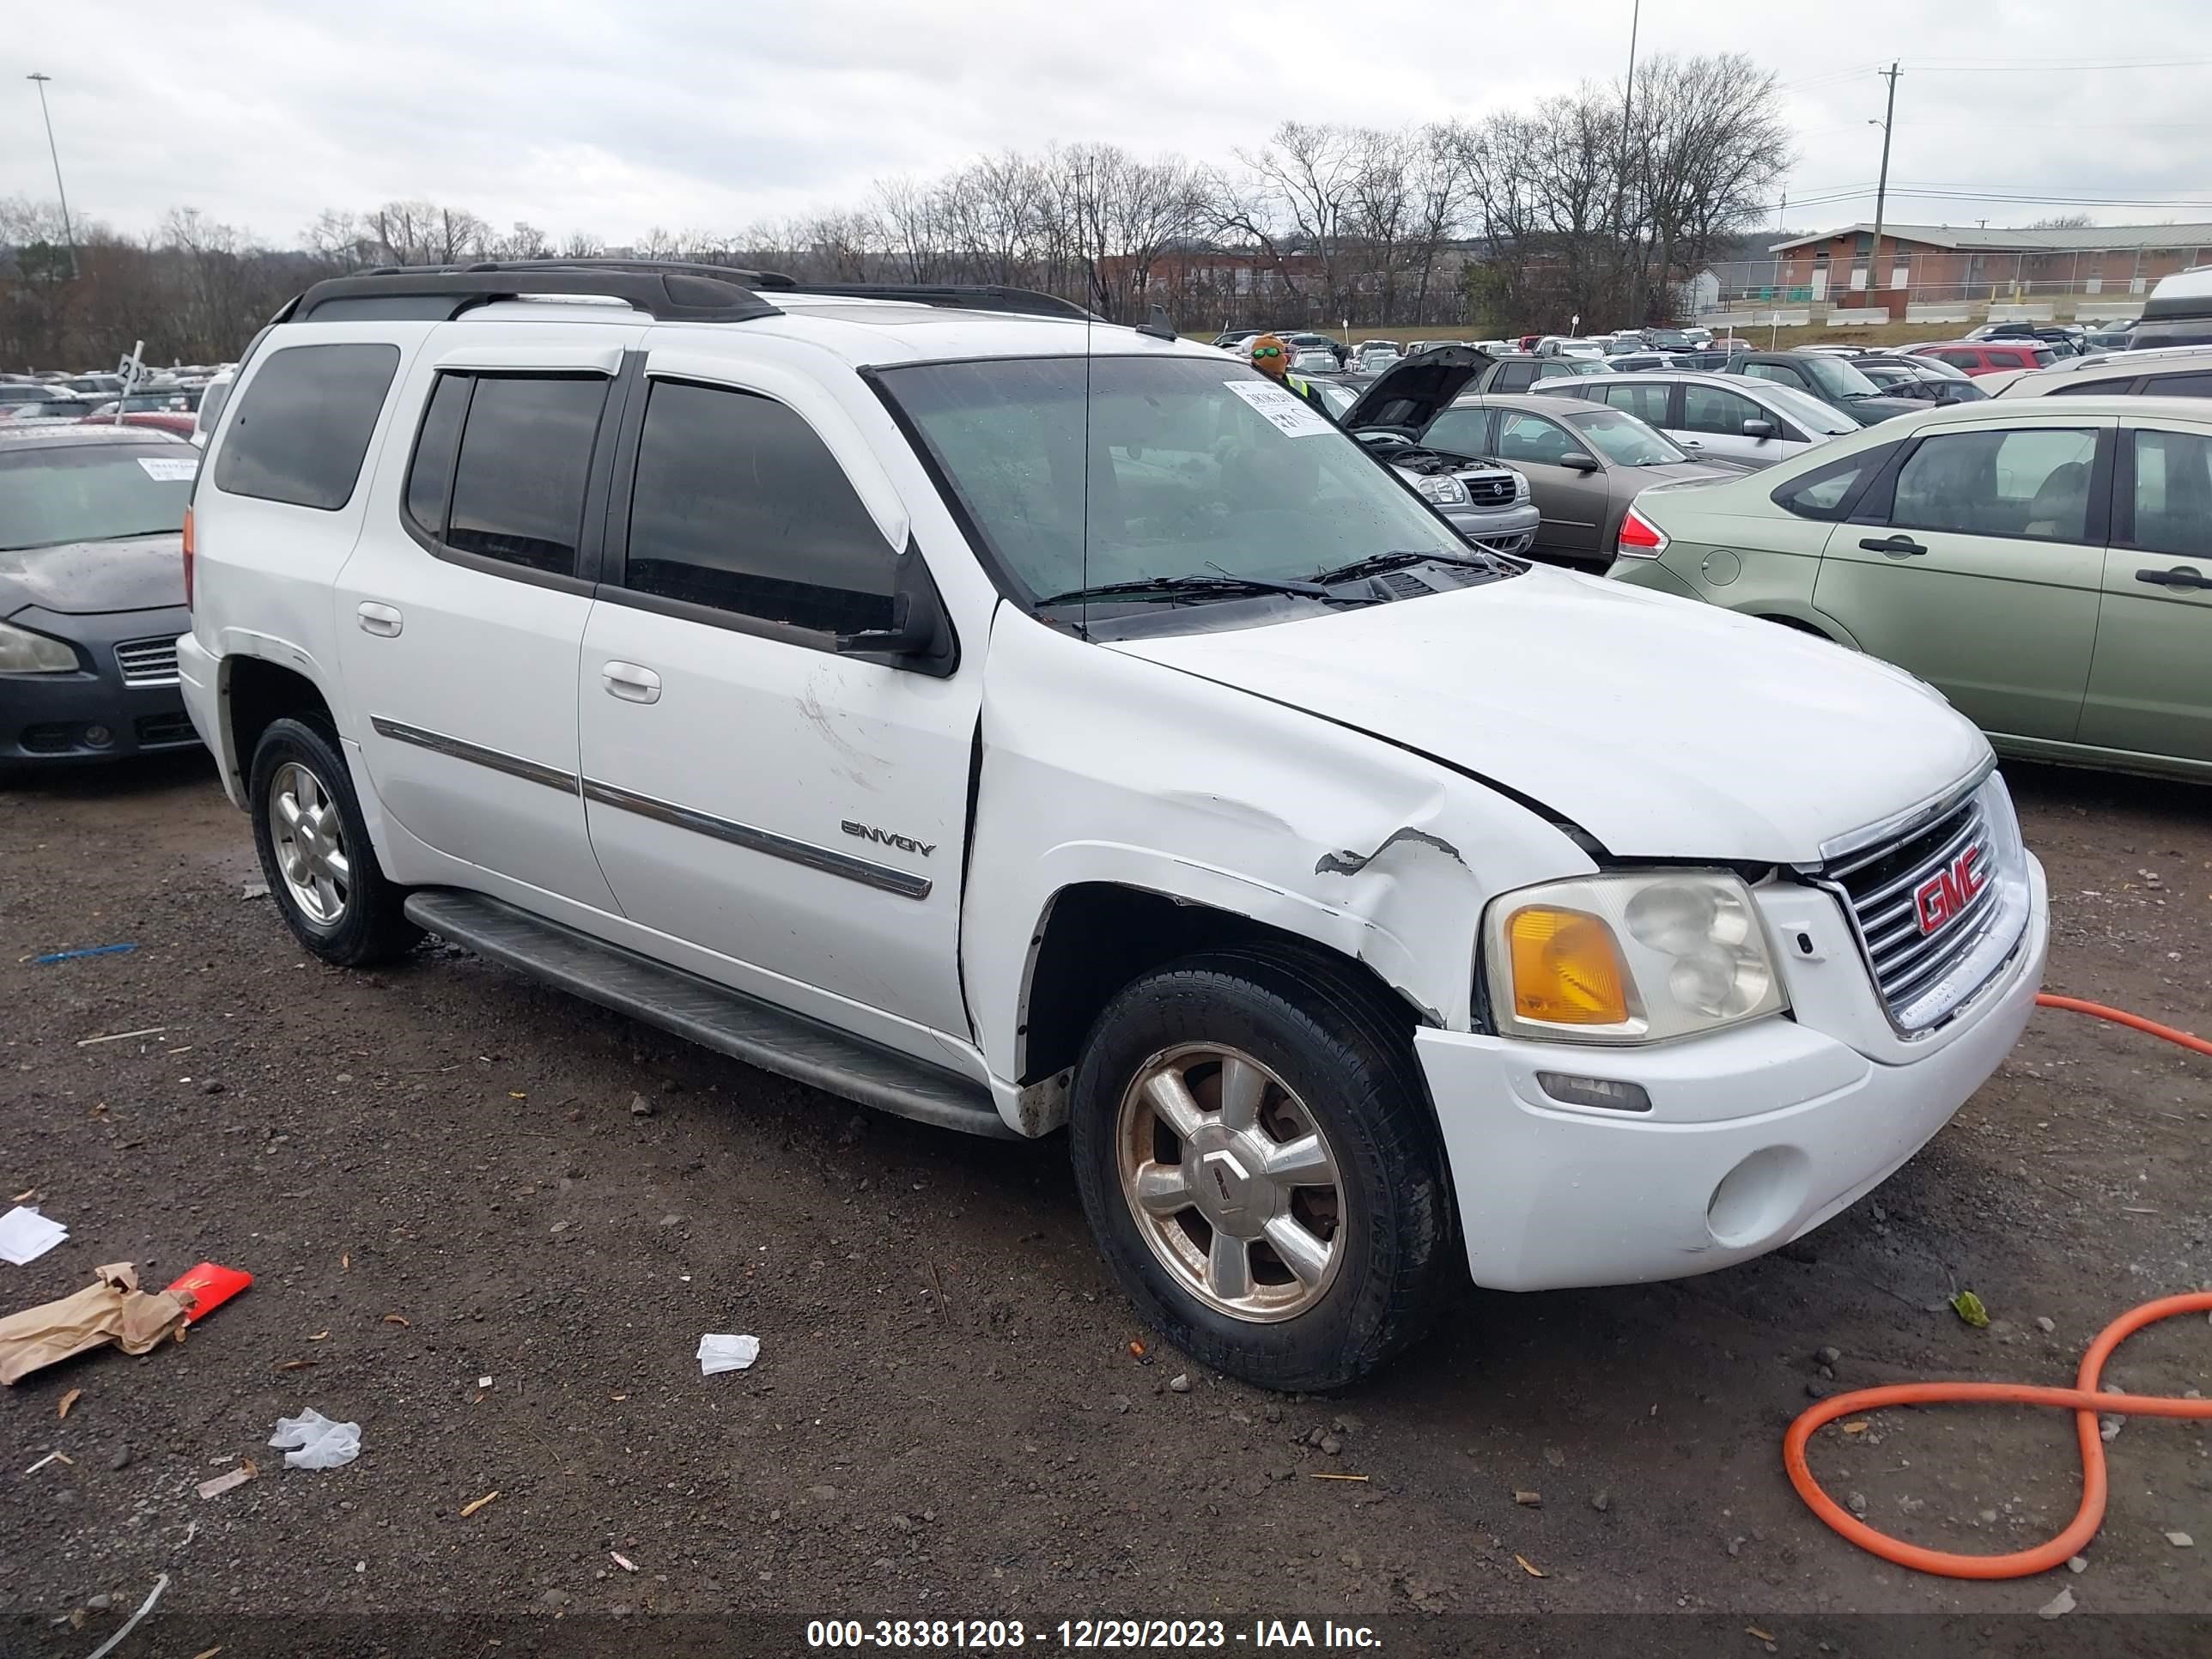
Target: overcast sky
<point>583,114</point>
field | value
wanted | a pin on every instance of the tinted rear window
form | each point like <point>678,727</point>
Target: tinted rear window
<point>303,424</point>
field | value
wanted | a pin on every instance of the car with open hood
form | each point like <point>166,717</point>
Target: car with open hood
<point>1486,501</point>
<point>91,593</point>
<point>956,704</point>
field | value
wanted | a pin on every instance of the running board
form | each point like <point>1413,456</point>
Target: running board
<point>714,1016</point>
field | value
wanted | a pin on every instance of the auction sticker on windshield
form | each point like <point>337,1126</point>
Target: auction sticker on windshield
<point>1289,413</point>
<point>162,469</point>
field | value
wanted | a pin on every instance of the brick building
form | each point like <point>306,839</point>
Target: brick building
<point>1934,263</point>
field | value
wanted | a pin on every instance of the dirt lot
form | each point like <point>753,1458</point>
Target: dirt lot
<point>442,1174</point>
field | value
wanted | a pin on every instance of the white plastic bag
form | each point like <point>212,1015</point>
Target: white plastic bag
<point>726,1353</point>
<point>319,1443</point>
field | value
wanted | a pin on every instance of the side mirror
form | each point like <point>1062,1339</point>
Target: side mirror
<point>920,636</point>
<point>1761,429</point>
<point>1579,461</point>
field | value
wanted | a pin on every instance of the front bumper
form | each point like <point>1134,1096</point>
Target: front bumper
<point>1500,529</point>
<point>1756,1135</point>
<point>95,712</point>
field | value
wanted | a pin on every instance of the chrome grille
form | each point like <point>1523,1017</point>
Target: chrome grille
<point>1896,889</point>
<point>1490,491</point>
<point>148,662</point>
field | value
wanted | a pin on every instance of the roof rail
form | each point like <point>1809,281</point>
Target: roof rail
<point>959,297</point>
<point>668,291</point>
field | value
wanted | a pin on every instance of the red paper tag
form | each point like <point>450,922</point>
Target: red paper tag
<point>207,1287</point>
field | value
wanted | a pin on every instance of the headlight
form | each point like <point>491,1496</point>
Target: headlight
<point>23,651</point>
<point>1444,489</point>
<point>1520,486</point>
<point>1629,959</point>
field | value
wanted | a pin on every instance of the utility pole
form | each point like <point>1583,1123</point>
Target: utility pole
<point>1628,126</point>
<point>1882,188</point>
<point>68,234</point>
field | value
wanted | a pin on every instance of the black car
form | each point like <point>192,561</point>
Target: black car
<point>2066,342</point>
<point>1921,379</point>
<point>1831,379</point>
<point>91,593</point>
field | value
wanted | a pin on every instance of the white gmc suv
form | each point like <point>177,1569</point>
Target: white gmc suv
<point>1012,721</point>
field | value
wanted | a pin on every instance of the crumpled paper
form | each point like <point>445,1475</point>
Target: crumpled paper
<point>113,1311</point>
<point>719,1353</point>
<point>317,1442</point>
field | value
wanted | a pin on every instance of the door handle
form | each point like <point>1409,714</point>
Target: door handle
<point>380,620</point>
<point>1691,443</point>
<point>630,683</point>
<point>2182,575</point>
<point>1897,547</point>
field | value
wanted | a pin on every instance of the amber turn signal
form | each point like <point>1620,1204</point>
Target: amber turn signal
<point>1567,969</point>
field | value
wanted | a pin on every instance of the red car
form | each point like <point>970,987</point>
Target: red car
<point>168,420</point>
<point>1987,356</point>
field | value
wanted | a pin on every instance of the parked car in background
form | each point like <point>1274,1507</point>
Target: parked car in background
<point>1314,360</point>
<point>2115,335</point>
<point>1584,463</point>
<point>2047,567</point>
<point>174,399</point>
<point>173,421</point>
<point>1830,349</point>
<point>91,593</point>
<point>2179,311</point>
<point>1564,345</point>
<point>1921,379</point>
<point>1831,379</point>
<point>1668,339</point>
<point>18,397</point>
<point>1979,357</point>
<point>1374,357</point>
<point>1306,340</point>
<point>1637,359</point>
<point>1752,423</point>
<point>1516,371</point>
<point>2175,372</point>
<point>1486,501</point>
<point>2063,341</point>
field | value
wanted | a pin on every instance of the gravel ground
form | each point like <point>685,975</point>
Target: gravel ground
<point>489,1225</point>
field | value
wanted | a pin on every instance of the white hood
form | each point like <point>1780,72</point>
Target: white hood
<point>1666,728</point>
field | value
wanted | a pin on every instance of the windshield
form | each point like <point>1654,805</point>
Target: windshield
<point>1196,468</point>
<point>93,492</point>
<point>1625,440</point>
<point>1839,379</point>
<point>1809,412</point>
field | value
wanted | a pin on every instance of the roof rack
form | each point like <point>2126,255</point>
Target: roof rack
<point>981,296</point>
<point>664,290</point>
<point>669,291</point>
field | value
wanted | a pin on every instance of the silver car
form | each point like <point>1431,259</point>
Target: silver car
<point>1727,417</point>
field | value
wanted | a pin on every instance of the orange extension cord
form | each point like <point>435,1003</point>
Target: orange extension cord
<point>2084,1399</point>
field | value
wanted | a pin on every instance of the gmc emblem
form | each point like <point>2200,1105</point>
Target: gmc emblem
<point>1939,899</point>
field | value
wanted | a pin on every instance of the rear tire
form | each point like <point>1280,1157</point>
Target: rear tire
<point>315,852</point>
<point>1256,1155</point>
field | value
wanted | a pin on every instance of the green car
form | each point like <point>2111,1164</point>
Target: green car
<point>2050,573</point>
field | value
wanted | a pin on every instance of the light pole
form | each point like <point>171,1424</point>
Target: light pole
<point>1628,127</point>
<point>69,235</point>
<point>1881,190</point>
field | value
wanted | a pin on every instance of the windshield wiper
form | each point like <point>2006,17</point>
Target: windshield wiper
<point>1169,587</point>
<point>1375,563</point>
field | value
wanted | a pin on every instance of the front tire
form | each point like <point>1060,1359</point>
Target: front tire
<point>315,852</point>
<point>1256,1155</point>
